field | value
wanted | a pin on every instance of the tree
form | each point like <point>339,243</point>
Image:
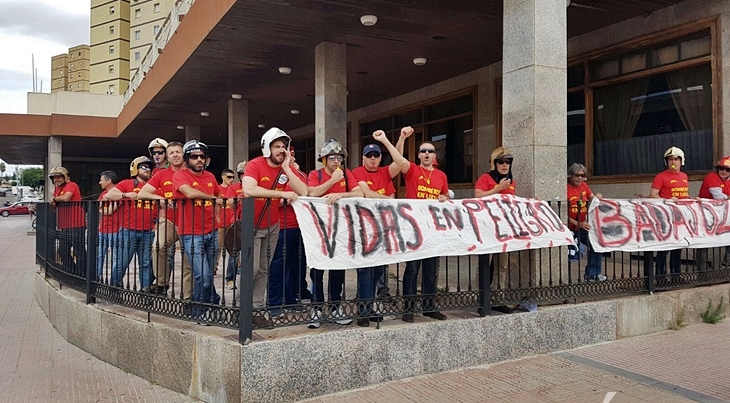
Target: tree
<point>33,177</point>
<point>2,168</point>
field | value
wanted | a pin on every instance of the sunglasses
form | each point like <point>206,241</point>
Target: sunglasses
<point>372,155</point>
<point>197,156</point>
<point>724,169</point>
<point>427,150</point>
<point>145,167</point>
<point>579,175</point>
<point>230,177</point>
<point>500,162</point>
<point>335,158</point>
<point>158,153</point>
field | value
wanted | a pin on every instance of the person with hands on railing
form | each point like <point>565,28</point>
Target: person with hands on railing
<point>579,196</point>
<point>108,221</point>
<point>70,220</point>
<point>715,185</point>
<point>265,179</point>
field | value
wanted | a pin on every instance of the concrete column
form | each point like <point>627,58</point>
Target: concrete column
<point>534,100</point>
<point>723,32</point>
<point>330,94</point>
<point>237,132</point>
<point>53,159</point>
<point>192,133</point>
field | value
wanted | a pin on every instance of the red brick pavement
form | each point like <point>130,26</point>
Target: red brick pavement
<point>36,363</point>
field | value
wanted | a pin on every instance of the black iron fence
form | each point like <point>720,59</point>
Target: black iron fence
<point>162,258</point>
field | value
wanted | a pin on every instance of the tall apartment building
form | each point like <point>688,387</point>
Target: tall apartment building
<point>146,19</point>
<point>109,46</point>
<point>70,71</point>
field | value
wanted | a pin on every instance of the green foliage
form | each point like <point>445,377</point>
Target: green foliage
<point>33,176</point>
<point>2,168</point>
<point>712,314</point>
<point>678,321</point>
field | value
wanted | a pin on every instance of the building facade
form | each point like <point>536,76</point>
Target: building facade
<point>147,17</point>
<point>70,71</point>
<point>109,25</point>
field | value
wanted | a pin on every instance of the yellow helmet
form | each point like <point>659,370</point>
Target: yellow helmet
<point>499,153</point>
<point>134,166</point>
<point>59,171</point>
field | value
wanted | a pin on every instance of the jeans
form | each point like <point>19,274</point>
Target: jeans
<point>367,283</point>
<point>133,242</point>
<point>200,250</point>
<point>410,276</point>
<point>106,241</point>
<point>232,267</point>
<point>76,238</point>
<point>285,271</point>
<point>335,284</point>
<point>593,268</point>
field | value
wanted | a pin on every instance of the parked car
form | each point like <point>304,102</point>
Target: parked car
<point>15,209</point>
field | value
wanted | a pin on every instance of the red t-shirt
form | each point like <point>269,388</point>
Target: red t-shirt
<point>671,184</point>
<point>581,193</point>
<point>378,181</point>
<point>69,215</point>
<point>162,181</point>
<point>265,175</point>
<point>713,180</point>
<point>487,183</point>
<point>425,184</point>
<point>136,215</point>
<point>108,224</point>
<point>226,214</point>
<point>342,187</point>
<point>195,217</point>
<point>233,194</point>
<point>288,219</point>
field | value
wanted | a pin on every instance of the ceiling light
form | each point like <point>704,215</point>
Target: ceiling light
<point>181,128</point>
<point>204,114</point>
<point>285,70</point>
<point>295,111</point>
<point>262,126</point>
<point>419,61</point>
<point>236,96</point>
<point>369,20</point>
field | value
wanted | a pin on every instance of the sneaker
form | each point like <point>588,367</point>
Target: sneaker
<point>316,316</point>
<point>230,285</point>
<point>435,315</point>
<point>601,277</point>
<point>363,322</point>
<point>340,314</point>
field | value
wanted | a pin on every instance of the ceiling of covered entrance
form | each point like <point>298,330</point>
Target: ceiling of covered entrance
<point>242,53</point>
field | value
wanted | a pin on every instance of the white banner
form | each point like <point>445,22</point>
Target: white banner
<point>360,232</point>
<point>658,224</point>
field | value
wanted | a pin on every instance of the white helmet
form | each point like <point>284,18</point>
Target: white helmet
<point>158,142</point>
<point>193,145</point>
<point>674,152</point>
<point>331,147</point>
<point>271,136</point>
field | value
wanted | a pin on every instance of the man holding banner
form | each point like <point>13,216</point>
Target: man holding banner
<point>669,184</point>
<point>375,182</point>
<point>333,183</point>
<point>716,185</point>
<point>423,181</point>
<point>579,196</point>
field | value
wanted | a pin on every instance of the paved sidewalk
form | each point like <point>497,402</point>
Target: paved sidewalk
<point>689,365</point>
<point>36,363</point>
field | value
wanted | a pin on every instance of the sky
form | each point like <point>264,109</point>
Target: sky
<point>43,28</point>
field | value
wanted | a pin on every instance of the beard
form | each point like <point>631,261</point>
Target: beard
<point>278,159</point>
<point>196,167</point>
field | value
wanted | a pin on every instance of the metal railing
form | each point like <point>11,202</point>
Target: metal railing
<point>98,254</point>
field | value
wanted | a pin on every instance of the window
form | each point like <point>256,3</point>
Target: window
<point>111,89</point>
<point>655,106</point>
<point>137,56</point>
<point>79,54</point>
<point>111,49</point>
<point>70,87</point>
<point>111,29</point>
<point>137,34</point>
<point>60,72</point>
<point>71,67</point>
<point>111,68</point>
<point>78,85</point>
<point>111,10</point>
<point>156,29</point>
<point>156,7</point>
<point>137,13</point>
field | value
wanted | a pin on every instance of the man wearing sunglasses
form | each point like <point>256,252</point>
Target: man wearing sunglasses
<point>375,182</point>
<point>423,181</point>
<point>579,196</point>
<point>716,185</point>
<point>226,213</point>
<point>157,149</point>
<point>136,220</point>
